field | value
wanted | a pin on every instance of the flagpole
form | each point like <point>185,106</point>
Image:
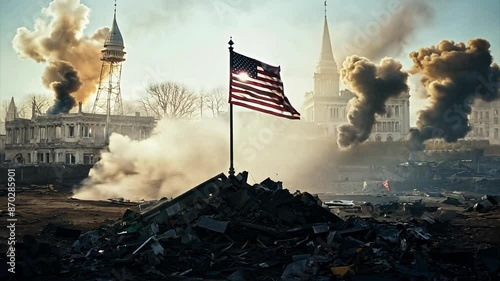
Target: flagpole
<point>231,154</point>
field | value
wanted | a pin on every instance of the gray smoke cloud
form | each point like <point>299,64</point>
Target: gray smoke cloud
<point>454,76</point>
<point>60,42</point>
<point>373,85</point>
<point>66,82</point>
<point>389,30</point>
<point>399,29</point>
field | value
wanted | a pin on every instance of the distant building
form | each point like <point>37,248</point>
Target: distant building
<point>484,120</point>
<point>328,106</point>
<point>72,138</point>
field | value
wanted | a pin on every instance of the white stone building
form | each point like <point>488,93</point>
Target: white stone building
<point>327,105</point>
<point>484,120</point>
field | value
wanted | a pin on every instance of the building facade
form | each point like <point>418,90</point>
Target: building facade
<point>72,138</point>
<point>484,120</point>
<point>329,106</point>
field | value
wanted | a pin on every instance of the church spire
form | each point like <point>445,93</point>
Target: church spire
<point>326,63</point>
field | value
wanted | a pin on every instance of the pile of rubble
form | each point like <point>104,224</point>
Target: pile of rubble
<point>225,229</point>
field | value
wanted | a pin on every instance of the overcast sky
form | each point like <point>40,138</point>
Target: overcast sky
<point>186,40</point>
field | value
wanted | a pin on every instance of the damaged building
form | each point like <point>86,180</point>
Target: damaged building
<point>71,138</point>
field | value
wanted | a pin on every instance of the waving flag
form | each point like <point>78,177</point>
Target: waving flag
<point>386,185</point>
<point>258,86</point>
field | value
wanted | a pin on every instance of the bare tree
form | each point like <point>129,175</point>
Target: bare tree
<point>215,100</point>
<point>4,107</point>
<point>39,102</point>
<point>131,107</point>
<point>169,100</point>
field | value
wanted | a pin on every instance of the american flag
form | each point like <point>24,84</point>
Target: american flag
<point>258,86</point>
<point>386,185</point>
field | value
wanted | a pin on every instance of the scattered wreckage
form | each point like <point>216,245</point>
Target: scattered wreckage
<point>226,229</point>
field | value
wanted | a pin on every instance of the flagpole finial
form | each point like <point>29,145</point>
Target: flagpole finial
<point>325,8</point>
<point>231,43</point>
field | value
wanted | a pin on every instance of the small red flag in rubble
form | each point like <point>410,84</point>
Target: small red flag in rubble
<point>386,185</point>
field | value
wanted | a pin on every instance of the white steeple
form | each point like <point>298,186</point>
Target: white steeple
<point>326,63</point>
<point>326,77</point>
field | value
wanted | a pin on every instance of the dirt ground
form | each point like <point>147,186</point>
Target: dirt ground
<point>41,209</point>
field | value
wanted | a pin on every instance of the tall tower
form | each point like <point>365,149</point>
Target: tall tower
<point>109,99</point>
<point>326,77</point>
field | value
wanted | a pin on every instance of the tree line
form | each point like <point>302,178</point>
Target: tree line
<point>170,100</point>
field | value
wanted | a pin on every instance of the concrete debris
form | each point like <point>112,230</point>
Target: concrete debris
<point>226,229</point>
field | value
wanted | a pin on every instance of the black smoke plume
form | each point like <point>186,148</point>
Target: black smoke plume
<point>373,85</point>
<point>63,81</point>
<point>454,76</point>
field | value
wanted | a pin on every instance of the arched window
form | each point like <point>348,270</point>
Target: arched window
<point>389,137</point>
<point>378,138</point>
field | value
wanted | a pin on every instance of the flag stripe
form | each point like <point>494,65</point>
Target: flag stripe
<point>265,111</point>
<point>258,102</point>
<point>257,96</point>
<point>271,94</point>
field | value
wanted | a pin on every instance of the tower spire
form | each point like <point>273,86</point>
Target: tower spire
<point>326,61</point>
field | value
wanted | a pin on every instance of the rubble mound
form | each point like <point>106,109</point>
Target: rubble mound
<point>226,229</point>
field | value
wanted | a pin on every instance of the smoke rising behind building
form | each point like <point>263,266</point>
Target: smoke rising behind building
<point>454,76</point>
<point>373,85</point>
<point>61,44</point>
<point>65,82</point>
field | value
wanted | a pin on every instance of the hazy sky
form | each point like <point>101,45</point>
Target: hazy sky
<point>186,40</point>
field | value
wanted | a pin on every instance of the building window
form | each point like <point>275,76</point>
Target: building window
<point>58,132</point>
<point>43,133</point>
<point>47,157</point>
<point>71,131</point>
<point>88,158</point>
<point>29,157</point>
<point>481,115</point>
<point>495,112</point>
<point>396,110</point>
<point>32,132</point>
<point>331,113</point>
<point>378,138</point>
<point>496,133</point>
<point>397,126</point>
<point>389,138</point>
<point>70,158</point>
<point>495,120</point>
<point>40,158</point>
<point>487,114</point>
<point>86,131</point>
